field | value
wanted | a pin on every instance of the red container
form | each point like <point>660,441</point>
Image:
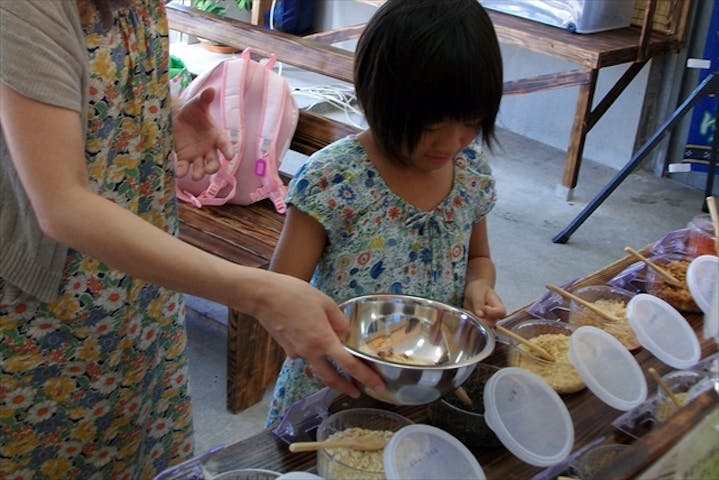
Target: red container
<point>701,236</point>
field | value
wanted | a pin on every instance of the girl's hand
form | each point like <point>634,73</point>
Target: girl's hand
<point>197,138</point>
<point>481,299</point>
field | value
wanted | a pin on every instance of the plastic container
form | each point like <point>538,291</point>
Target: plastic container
<point>466,423</point>
<point>336,464</point>
<point>248,474</point>
<point>702,277</point>
<point>608,369</point>
<point>663,331</point>
<point>678,297</point>
<point>587,465</point>
<point>610,299</point>
<point>561,374</point>
<point>580,16</point>
<point>528,417</point>
<point>700,240</point>
<point>681,383</point>
<point>429,453</point>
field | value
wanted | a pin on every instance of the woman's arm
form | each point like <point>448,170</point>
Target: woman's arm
<point>479,295</point>
<point>47,149</point>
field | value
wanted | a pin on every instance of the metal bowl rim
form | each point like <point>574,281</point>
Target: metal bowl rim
<point>478,357</point>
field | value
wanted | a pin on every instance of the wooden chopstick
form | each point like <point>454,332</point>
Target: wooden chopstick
<point>533,347</point>
<point>464,397</point>
<point>668,277</point>
<point>663,385</point>
<point>712,206</point>
<point>582,302</point>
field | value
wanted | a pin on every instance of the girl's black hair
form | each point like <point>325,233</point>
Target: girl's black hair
<point>421,62</point>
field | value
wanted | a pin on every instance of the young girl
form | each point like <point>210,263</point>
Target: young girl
<point>401,208</point>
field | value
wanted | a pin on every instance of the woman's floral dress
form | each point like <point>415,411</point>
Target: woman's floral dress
<point>379,243</point>
<point>94,384</point>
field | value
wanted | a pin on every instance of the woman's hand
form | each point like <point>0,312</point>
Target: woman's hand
<point>308,324</point>
<point>197,138</point>
<point>481,299</point>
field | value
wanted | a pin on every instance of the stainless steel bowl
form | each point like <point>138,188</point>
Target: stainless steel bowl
<point>421,348</point>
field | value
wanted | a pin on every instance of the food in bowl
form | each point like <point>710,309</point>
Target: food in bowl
<point>552,336</point>
<point>684,384</point>
<point>350,464</point>
<point>589,464</point>
<point>364,461</point>
<point>678,297</point>
<point>383,347</point>
<point>434,346</point>
<point>466,422</point>
<point>611,300</point>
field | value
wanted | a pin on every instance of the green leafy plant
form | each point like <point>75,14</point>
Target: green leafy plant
<point>244,4</point>
<point>210,6</point>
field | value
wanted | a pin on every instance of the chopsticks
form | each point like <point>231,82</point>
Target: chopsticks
<point>542,353</point>
<point>712,206</point>
<point>668,277</point>
<point>663,385</point>
<point>582,302</point>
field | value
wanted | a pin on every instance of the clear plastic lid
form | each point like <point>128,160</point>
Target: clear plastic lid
<point>662,330</point>
<point>702,275</point>
<point>528,417</point>
<point>608,369</point>
<point>427,452</point>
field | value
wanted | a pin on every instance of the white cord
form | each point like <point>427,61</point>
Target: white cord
<point>339,97</point>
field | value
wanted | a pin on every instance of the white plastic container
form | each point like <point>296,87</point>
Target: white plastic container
<point>580,16</point>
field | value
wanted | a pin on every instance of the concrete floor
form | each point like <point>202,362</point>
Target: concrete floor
<point>528,214</point>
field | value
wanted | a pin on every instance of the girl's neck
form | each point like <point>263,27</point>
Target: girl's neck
<point>421,188</point>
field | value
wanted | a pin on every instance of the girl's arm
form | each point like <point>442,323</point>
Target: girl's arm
<point>47,148</point>
<point>479,295</point>
<point>300,245</point>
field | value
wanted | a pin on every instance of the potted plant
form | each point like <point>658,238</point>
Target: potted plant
<point>221,8</point>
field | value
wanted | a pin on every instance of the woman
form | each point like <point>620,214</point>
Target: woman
<point>93,376</point>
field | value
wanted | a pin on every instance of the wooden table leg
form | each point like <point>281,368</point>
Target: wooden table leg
<point>578,135</point>
<point>254,359</point>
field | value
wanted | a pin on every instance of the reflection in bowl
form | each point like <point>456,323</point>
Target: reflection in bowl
<point>421,348</point>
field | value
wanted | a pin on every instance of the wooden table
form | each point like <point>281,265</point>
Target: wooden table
<point>591,418</point>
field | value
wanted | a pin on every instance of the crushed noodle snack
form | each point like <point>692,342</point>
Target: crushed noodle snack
<point>560,375</point>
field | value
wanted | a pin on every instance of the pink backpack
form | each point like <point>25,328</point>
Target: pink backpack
<point>256,108</point>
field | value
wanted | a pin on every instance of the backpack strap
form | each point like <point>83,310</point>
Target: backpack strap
<point>231,93</point>
<point>274,101</point>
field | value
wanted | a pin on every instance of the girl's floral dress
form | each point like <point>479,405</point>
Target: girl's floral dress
<point>379,243</point>
<point>94,384</point>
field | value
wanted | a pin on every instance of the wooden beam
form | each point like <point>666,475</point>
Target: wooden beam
<point>309,55</point>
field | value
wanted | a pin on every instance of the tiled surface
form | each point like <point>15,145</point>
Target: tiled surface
<point>527,215</point>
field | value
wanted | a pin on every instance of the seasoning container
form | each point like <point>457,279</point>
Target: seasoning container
<point>681,383</point>
<point>611,300</point>
<point>678,296</point>
<point>701,236</point>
